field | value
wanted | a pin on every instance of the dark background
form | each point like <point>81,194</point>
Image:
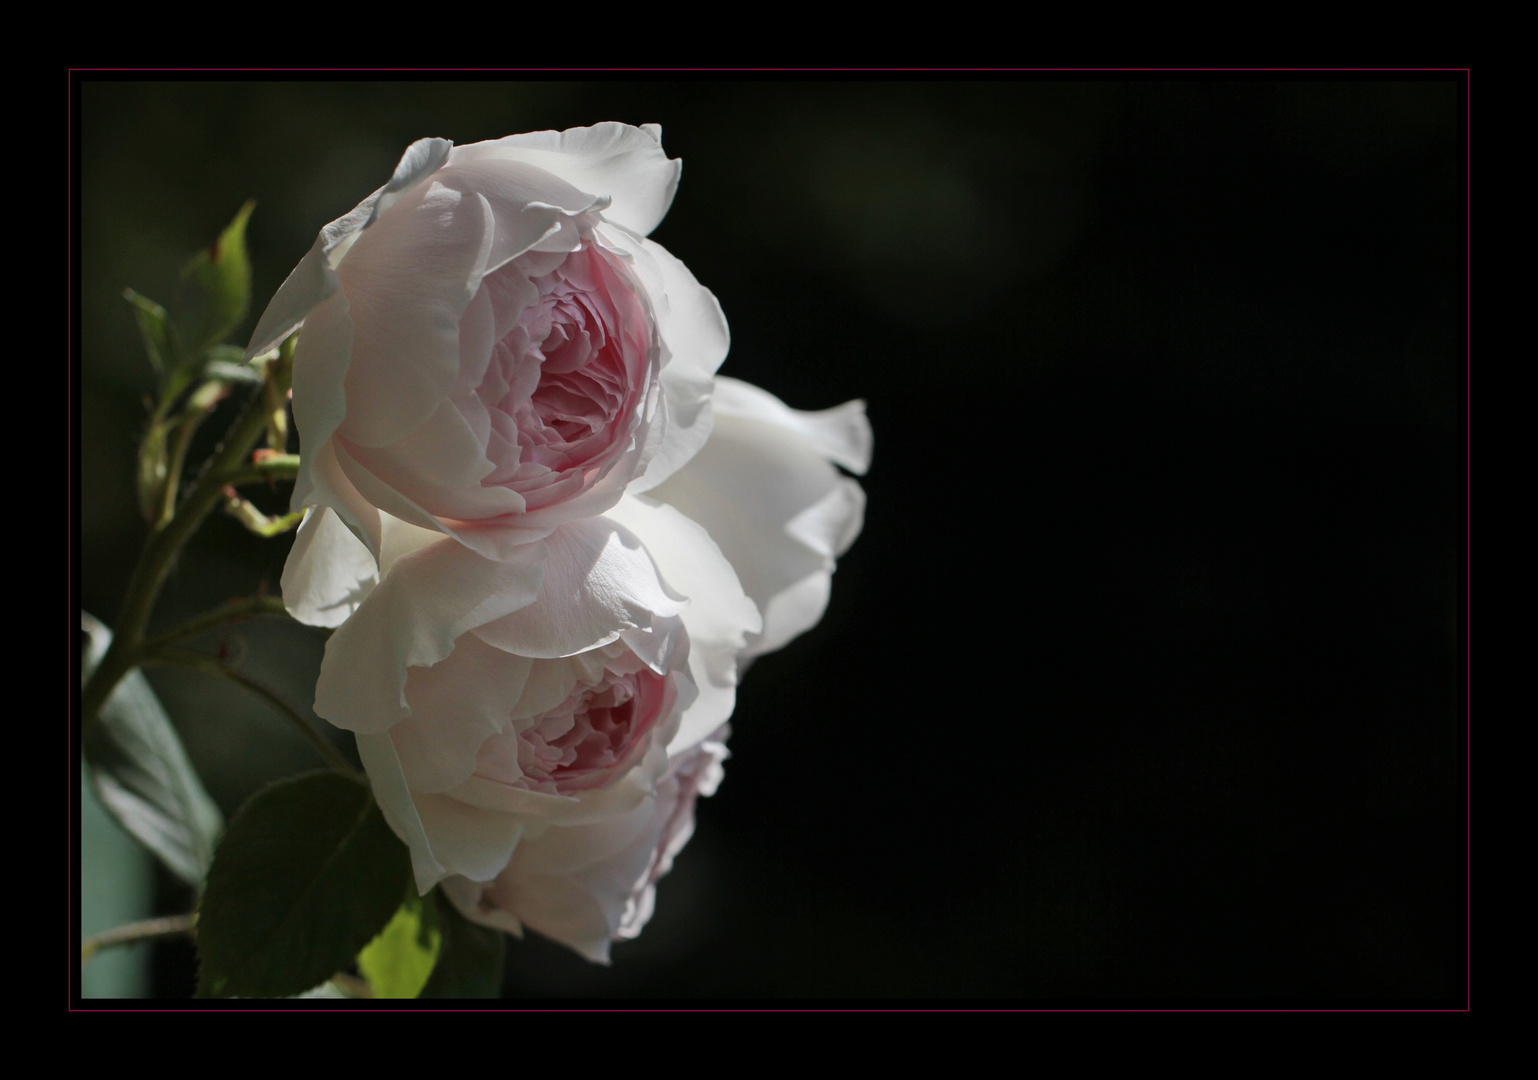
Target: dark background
<point>1144,682</point>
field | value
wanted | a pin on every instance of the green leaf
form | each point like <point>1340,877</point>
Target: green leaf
<point>226,362</point>
<point>398,962</point>
<point>141,773</point>
<point>469,960</point>
<point>155,329</point>
<point>215,290</point>
<point>308,874</point>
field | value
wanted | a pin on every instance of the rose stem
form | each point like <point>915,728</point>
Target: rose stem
<point>160,550</point>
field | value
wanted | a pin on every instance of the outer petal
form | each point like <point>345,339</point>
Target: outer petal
<point>491,540</point>
<point>456,705</point>
<point>623,162</point>
<point>841,434</point>
<point>425,601</point>
<point>440,460</point>
<point>575,883</point>
<point>329,570</point>
<point>313,280</point>
<point>720,617</point>
<point>764,490</point>
<point>698,772</point>
<point>599,581</point>
<point>422,159</point>
<point>444,839</point>
<point>466,895</point>
<point>320,399</point>
<point>306,286</point>
<point>468,841</point>
<point>531,209</point>
<point>589,884</point>
<point>394,798</point>
<point>695,340</point>
<point>408,280</point>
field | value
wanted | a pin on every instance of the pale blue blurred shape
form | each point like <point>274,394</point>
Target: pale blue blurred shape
<point>116,887</point>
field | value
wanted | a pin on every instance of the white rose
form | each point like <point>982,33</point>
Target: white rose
<point>490,340</point>
<point>537,658</point>
<point>537,710</point>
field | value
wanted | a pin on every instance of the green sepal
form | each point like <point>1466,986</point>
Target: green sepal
<point>215,291</point>
<point>469,960</point>
<point>400,960</point>
<point>308,874</point>
<point>142,775</point>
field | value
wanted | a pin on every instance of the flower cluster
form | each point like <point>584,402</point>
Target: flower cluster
<point>548,535</point>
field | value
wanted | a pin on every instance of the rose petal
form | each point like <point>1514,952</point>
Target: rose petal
<point>468,841</point>
<point>531,209</point>
<point>562,909</point>
<point>779,512</point>
<point>421,159</point>
<point>305,287</point>
<point>438,465</point>
<point>825,530</point>
<point>625,163</point>
<point>320,376</point>
<point>575,883</point>
<point>408,279</point>
<point>329,570</point>
<point>720,616</point>
<point>445,837</point>
<point>386,777</point>
<point>600,804</point>
<point>598,581</point>
<point>412,618</point>
<point>841,434</point>
<point>496,539</point>
<point>588,884</point>
<point>696,340</point>
<point>456,705</point>
<point>313,279</point>
<point>466,896</point>
<point>696,773</point>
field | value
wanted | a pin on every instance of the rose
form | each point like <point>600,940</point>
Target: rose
<point>457,670</point>
<point>539,660</point>
<point>489,340</point>
<point>536,719</point>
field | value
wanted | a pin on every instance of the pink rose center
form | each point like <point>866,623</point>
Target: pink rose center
<point>565,383</point>
<point>596,734</point>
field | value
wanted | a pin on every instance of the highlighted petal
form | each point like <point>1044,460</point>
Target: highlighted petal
<point>412,619</point>
<point>764,490</point>
<point>329,570</point>
<point>625,163</point>
<point>598,581</point>
<point>720,617</point>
